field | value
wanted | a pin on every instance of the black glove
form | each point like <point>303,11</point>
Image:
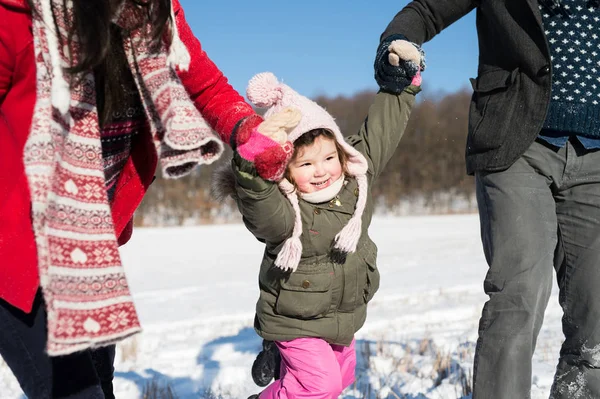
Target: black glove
<point>394,79</point>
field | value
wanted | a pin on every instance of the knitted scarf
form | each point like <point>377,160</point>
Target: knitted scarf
<point>83,282</point>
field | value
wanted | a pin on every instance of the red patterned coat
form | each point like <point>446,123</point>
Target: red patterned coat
<point>219,103</point>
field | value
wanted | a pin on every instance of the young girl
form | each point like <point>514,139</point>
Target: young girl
<point>319,267</point>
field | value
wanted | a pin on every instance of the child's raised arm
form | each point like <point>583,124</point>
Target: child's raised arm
<point>383,128</point>
<point>398,67</point>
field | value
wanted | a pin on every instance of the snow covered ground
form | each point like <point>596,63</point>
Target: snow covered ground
<point>196,287</point>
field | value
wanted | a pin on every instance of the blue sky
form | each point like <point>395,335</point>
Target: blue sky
<point>321,47</point>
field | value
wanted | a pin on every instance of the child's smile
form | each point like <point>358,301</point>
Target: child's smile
<point>317,166</point>
<point>323,184</point>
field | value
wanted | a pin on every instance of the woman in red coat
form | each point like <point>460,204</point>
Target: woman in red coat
<point>93,95</point>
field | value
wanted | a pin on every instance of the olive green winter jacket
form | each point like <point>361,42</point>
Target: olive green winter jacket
<point>321,298</point>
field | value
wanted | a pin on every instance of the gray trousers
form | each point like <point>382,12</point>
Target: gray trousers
<point>542,213</point>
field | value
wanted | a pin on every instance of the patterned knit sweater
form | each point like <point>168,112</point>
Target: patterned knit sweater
<point>574,42</point>
<point>117,136</point>
<point>125,121</point>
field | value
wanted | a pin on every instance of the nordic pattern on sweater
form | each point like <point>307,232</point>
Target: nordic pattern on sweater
<point>116,146</point>
<point>574,43</point>
<point>118,133</point>
<point>123,123</point>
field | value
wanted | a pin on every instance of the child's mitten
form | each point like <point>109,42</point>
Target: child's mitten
<point>268,147</point>
<point>398,63</point>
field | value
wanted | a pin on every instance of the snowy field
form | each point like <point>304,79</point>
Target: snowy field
<point>196,287</point>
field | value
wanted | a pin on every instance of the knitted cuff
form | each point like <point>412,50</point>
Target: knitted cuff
<point>254,145</point>
<point>394,79</point>
<point>272,163</point>
<point>268,156</point>
<point>243,130</point>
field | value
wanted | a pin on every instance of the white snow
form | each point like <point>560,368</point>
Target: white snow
<point>195,289</point>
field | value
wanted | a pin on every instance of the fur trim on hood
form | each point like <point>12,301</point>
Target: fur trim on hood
<point>222,184</point>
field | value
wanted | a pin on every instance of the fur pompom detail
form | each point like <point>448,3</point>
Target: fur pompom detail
<point>264,90</point>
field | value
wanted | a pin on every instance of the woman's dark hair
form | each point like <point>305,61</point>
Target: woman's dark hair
<point>100,44</point>
<point>309,138</point>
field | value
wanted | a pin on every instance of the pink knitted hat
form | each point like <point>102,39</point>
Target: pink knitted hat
<point>265,91</point>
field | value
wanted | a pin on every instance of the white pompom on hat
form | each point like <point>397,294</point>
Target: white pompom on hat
<point>266,91</point>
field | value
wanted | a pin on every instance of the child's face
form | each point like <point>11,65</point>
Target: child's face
<point>316,166</point>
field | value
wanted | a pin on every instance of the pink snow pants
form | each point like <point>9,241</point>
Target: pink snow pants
<point>312,369</point>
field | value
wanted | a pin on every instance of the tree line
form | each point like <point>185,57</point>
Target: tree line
<point>425,175</point>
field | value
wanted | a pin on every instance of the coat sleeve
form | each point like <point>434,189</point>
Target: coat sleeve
<point>383,128</point>
<point>7,57</point>
<point>266,212</point>
<point>218,102</point>
<point>421,20</point>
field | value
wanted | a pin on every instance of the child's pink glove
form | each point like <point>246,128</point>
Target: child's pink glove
<point>268,147</point>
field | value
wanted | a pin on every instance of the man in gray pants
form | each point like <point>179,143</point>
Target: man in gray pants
<point>534,135</point>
